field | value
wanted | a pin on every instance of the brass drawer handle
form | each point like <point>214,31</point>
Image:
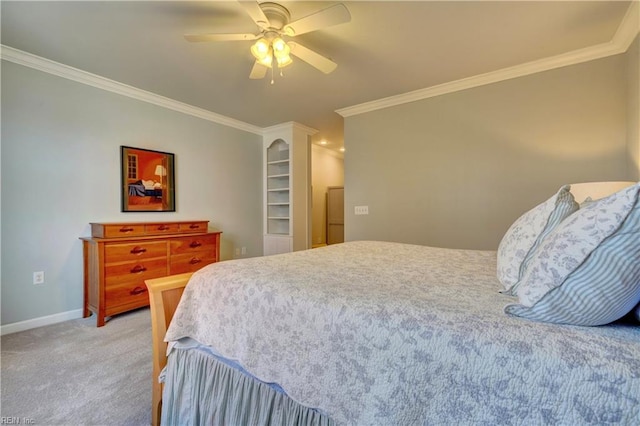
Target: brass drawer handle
<point>195,244</point>
<point>163,228</point>
<point>194,226</point>
<point>138,269</point>
<point>126,229</point>
<point>195,261</point>
<point>138,250</point>
<point>138,290</point>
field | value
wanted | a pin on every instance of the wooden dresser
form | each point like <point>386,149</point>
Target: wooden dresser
<point>118,257</point>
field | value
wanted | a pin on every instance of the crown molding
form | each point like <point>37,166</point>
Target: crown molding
<point>629,27</point>
<point>624,36</point>
<point>55,68</point>
<point>290,125</point>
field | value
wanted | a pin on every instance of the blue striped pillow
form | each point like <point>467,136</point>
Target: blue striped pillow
<point>600,290</point>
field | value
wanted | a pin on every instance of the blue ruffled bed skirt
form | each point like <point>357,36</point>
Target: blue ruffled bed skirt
<point>213,393</point>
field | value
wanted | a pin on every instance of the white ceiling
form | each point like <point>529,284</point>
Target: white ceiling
<point>388,48</point>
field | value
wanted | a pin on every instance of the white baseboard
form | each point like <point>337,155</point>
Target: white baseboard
<point>40,322</point>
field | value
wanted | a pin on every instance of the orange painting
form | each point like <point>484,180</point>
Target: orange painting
<point>148,182</point>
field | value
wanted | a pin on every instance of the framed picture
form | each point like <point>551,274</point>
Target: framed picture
<point>148,181</point>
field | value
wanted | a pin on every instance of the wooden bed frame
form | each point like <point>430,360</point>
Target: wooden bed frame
<point>164,295</point>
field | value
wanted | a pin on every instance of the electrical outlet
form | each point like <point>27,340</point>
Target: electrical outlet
<point>244,251</point>
<point>38,277</point>
<point>362,210</point>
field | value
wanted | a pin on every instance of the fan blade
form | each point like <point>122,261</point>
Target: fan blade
<point>325,65</point>
<point>333,15</point>
<point>254,10</point>
<point>219,37</point>
<point>258,71</point>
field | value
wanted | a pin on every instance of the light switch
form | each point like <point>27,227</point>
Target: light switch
<point>362,210</point>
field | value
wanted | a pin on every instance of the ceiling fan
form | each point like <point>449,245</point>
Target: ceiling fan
<point>271,49</point>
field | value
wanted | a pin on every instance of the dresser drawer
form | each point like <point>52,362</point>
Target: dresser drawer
<point>124,252</point>
<point>190,262</point>
<point>117,230</point>
<point>131,272</point>
<point>194,227</point>
<point>161,228</point>
<point>184,245</point>
<point>132,294</point>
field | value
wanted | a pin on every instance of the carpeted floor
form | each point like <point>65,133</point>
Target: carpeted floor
<point>74,373</point>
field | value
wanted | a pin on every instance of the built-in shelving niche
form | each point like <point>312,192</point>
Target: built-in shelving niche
<point>278,188</point>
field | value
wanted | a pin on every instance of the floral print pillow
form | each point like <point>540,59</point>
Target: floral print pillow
<point>525,234</point>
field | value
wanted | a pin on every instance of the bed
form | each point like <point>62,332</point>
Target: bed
<point>381,333</point>
<point>145,188</point>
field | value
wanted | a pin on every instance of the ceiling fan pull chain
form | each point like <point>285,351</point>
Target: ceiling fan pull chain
<point>272,76</point>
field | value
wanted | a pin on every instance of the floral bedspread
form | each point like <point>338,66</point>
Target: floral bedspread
<point>377,333</point>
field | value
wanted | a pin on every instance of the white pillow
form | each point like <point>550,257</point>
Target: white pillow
<point>587,271</point>
<point>527,231</point>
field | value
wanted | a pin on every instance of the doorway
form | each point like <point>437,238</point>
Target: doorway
<point>327,171</point>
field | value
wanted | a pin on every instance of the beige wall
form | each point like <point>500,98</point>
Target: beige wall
<point>458,169</point>
<point>633,109</point>
<point>327,169</point>
<point>61,170</point>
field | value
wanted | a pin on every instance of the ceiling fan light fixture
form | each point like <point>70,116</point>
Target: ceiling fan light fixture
<point>280,47</point>
<point>281,51</point>
<point>284,61</point>
<point>267,60</point>
<point>261,49</point>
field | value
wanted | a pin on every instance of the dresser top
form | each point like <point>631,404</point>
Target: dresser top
<point>159,222</point>
<point>109,230</point>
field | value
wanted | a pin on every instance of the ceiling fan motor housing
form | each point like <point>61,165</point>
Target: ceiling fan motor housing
<point>277,14</point>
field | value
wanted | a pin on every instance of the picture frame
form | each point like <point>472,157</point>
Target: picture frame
<point>147,180</point>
